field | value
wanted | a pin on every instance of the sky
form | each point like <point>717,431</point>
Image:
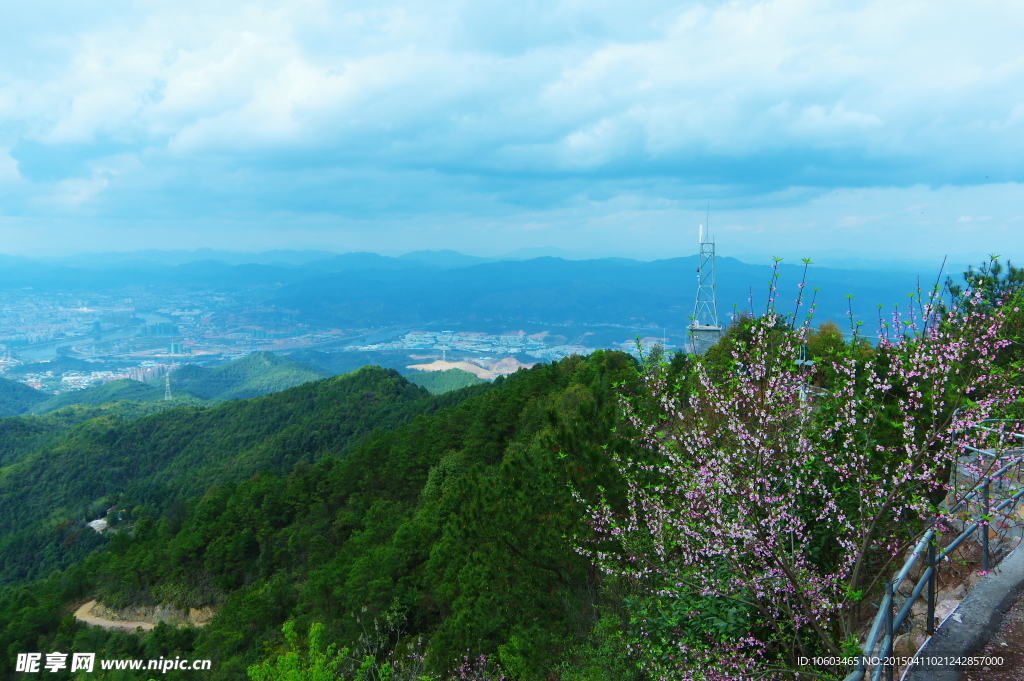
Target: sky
<point>883,130</point>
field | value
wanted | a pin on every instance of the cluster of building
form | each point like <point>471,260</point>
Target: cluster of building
<point>169,325</point>
<point>154,323</point>
<point>475,342</point>
<point>147,371</point>
<point>28,318</point>
<point>76,380</point>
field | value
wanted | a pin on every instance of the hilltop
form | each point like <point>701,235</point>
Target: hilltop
<point>18,398</point>
<point>440,382</point>
<point>125,389</point>
<point>260,373</point>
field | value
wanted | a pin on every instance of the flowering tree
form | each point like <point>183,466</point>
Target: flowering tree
<point>758,496</point>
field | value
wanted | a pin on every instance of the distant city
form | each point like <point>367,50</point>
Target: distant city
<point>105,317</point>
<point>150,334</point>
<point>541,346</point>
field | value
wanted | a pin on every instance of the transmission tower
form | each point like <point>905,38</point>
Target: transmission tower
<point>167,386</point>
<point>705,329</point>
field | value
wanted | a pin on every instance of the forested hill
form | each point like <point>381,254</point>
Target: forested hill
<point>148,465</point>
<point>17,398</point>
<point>259,373</point>
<point>438,382</point>
<point>124,389</point>
<point>444,536</point>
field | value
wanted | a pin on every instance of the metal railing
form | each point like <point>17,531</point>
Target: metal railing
<point>885,619</point>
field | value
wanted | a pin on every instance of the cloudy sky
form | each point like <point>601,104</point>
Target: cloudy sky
<point>887,129</point>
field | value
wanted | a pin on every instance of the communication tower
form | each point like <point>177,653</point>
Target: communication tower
<point>705,329</point>
<point>167,386</point>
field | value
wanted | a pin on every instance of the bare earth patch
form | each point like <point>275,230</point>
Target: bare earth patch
<point>133,618</point>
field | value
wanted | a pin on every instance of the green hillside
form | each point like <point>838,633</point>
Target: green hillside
<point>156,461</point>
<point>359,528</point>
<point>345,517</point>
<point>17,398</point>
<point>22,435</point>
<point>260,373</point>
<point>257,374</point>
<point>125,389</point>
<point>344,362</point>
<point>439,382</point>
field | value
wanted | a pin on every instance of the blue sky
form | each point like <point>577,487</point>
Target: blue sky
<point>888,129</point>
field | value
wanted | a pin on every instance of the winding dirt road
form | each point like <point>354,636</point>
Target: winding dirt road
<point>82,615</point>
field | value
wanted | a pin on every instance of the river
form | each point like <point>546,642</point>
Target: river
<point>47,351</point>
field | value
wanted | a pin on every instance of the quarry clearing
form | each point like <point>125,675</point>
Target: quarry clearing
<point>502,367</point>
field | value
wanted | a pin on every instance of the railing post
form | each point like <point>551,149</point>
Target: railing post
<point>930,624</point>
<point>887,650</point>
<point>984,527</point>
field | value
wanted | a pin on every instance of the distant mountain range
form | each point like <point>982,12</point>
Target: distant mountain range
<point>181,257</point>
<point>367,289</point>
<point>555,291</point>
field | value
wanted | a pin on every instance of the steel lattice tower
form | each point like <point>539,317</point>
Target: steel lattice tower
<point>704,329</point>
<point>705,311</point>
<point>167,386</point>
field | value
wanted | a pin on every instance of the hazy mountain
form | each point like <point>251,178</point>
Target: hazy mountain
<point>532,252</point>
<point>209,273</point>
<point>361,262</point>
<point>556,291</point>
<point>838,259</point>
<point>445,259</point>
<point>135,259</point>
<point>367,289</point>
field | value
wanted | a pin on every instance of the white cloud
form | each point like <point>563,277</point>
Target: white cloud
<point>74,194</point>
<point>483,103</point>
<point>709,78</point>
<point>8,167</point>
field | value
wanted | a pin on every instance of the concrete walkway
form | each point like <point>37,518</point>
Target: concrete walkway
<point>973,626</point>
<point>1008,643</point>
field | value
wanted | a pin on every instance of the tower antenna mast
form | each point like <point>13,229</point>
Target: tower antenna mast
<point>167,386</point>
<point>705,329</point>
